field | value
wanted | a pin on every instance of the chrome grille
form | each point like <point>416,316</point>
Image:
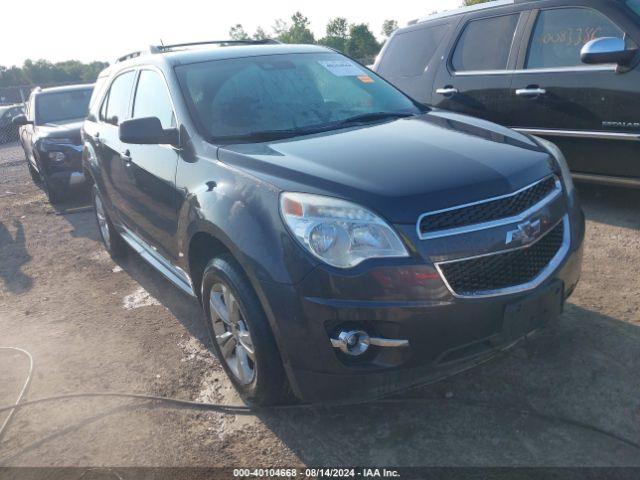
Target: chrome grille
<point>500,272</point>
<point>450,221</point>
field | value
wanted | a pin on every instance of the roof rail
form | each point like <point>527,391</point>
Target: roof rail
<point>166,48</point>
<point>266,41</point>
<point>472,8</point>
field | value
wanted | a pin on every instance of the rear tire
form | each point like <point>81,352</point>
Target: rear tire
<point>250,357</point>
<point>111,239</point>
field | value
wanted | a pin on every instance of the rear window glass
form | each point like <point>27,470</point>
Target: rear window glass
<point>409,53</point>
<point>485,44</point>
<point>560,34</point>
<point>117,103</point>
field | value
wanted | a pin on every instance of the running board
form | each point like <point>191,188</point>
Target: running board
<point>172,273</point>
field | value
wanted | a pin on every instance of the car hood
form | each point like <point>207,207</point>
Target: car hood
<point>401,168</point>
<point>69,130</point>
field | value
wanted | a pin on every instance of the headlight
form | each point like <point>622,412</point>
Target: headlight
<point>57,156</point>
<point>562,163</point>
<point>338,232</point>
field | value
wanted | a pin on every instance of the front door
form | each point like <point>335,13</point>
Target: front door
<point>476,77</point>
<point>592,112</point>
<point>150,170</point>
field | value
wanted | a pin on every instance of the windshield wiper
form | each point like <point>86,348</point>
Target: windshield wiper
<point>266,135</point>
<point>373,116</point>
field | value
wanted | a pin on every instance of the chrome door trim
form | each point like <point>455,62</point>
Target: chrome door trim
<point>607,180</point>
<point>599,68</point>
<point>493,223</point>
<point>536,282</point>
<point>174,274</point>
<point>633,137</point>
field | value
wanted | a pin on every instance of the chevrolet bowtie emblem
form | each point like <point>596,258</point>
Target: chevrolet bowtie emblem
<point>525,233</point>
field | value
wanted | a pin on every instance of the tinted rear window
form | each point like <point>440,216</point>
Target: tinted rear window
<point>485,44</point>
<point>410,52</point>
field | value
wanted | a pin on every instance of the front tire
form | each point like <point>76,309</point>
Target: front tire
<point>54,194</point>
<point>35,176</point>
<point>241,335</point>
<point>111,239</point>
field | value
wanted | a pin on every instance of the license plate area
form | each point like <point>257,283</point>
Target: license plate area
<point>533,312</point>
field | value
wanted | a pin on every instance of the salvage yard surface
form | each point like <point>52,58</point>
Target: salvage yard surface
<point>94,325</point>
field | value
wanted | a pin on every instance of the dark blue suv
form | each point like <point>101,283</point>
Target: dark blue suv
<point>344,240</point>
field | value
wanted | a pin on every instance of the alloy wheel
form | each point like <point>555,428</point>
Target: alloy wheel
<point>103,223</point>
<point>232,333</point>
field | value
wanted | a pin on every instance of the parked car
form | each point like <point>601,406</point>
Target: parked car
<point>343,240</point>
<point>8,131</point>
<point>50,136</point>
<point>568,71</point>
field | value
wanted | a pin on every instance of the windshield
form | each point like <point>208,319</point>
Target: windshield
<point>249,99</point>
<point>63,106</point>
<point>634,5</point>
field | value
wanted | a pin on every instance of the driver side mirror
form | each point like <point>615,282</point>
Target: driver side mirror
<point>147,131</point>
<point>607,50</point>
<point>20,120</point>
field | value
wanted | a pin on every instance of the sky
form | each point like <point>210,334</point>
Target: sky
<point>103,30</point>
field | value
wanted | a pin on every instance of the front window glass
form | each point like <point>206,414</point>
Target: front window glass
<point>560,34</point>
<point>152,99</point>
<point>246,99</point>
<point>63,106</point>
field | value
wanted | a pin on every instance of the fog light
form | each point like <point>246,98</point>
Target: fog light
<point>57,156</point>
<point>357,342</point>
<point>352,342</point>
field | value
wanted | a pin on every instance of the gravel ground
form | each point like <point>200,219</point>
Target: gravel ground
<point>94,325</point>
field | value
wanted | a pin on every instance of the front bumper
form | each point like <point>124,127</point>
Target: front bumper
<point>66,173</point>
<point>398,300</point>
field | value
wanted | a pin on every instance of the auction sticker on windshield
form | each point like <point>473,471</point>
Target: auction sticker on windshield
<point>341,68</point>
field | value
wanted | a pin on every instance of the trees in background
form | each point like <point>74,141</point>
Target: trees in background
<point>356,40</point>
<point>43,72</point>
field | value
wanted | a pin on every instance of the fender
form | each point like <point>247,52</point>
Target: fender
<point>242,212</point>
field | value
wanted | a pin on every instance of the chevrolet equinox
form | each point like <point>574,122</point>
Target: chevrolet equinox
<point>344,240</point>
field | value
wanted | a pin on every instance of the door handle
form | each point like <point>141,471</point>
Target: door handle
<point>126,157</point>
<point>530,92</point>
<point>447,91</point>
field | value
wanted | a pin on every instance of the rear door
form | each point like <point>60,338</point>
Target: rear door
<point>591,111</point>
<point>410,60</point>
<point>476,75</point>
<point>148,182</point>
<point>115,108</point>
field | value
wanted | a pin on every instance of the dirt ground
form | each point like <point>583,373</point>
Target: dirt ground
<point>94,325</point>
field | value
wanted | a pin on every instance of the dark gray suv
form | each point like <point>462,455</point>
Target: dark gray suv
<point>344,240</point>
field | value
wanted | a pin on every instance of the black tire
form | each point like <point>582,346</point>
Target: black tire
<point>269,385</point>
<point>54,194</point>
<point>111,239</point>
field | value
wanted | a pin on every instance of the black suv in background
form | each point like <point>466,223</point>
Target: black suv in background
<point>50,136</point>
<point>566,70</point>
<point>343,239</point>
